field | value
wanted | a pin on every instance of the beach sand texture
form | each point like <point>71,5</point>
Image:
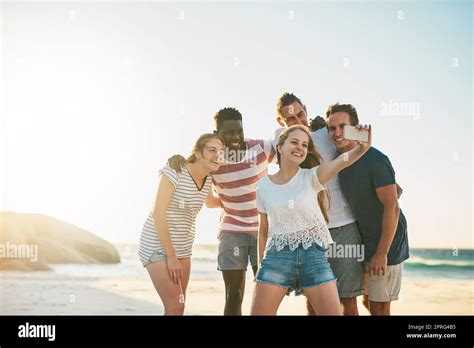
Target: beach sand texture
<point>80,274</point>
<point>47,293</point>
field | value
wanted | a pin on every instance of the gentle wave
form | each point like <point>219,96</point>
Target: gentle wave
<point>422,262</point>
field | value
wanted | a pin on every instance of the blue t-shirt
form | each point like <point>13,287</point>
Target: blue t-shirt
<point>359,183</point>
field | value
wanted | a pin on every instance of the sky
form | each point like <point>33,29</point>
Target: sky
<point>95,96</point>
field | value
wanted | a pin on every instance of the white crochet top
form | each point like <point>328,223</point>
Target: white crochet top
<point>294,215</point>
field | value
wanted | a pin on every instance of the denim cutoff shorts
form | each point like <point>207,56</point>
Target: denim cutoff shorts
<point>295,270</point>
<point>157,256</point>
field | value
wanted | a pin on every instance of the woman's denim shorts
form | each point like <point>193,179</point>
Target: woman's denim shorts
<point>157,256</point>
<point>295,270</point>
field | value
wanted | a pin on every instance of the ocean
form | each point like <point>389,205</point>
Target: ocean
<point>440,263</point>
<point>423,263</point>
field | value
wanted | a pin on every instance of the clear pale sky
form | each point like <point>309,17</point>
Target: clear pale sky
<point>96,96</point>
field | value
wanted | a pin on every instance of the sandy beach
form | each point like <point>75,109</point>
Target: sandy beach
<point>47,293</point>
<point>126,289</point>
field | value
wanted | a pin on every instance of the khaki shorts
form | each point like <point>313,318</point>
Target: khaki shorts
<point>384,288</point>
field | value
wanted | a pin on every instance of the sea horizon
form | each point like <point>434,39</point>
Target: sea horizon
<point>443,263</point>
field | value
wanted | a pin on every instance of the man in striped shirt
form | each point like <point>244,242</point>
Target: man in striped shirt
<point>234,182</point>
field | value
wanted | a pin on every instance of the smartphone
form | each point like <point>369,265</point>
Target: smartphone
<point>352,133</point>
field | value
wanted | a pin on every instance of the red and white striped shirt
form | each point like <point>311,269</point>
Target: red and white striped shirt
<point>235,183</point>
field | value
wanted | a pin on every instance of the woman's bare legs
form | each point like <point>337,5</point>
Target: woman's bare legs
<point>324,298</point>
<point>266,299</point>
<point>171,294</point>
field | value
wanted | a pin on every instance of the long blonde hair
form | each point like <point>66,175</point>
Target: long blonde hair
<point>313,159</point>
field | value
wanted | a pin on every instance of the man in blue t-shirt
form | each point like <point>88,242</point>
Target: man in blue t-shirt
<point>369,186</point>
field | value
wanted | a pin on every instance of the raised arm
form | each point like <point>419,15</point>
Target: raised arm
<point>329,170</point>
<point>163,199</point>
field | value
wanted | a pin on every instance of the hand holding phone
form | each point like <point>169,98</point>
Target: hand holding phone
<point>356,133</point>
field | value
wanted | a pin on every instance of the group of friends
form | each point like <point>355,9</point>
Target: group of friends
<point>328,192</point>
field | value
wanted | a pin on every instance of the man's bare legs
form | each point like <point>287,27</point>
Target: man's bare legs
<point>348,305</point>
<point>234,290</point>
<point>379,308</point>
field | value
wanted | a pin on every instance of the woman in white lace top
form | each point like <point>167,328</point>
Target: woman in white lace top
<point>293,236</point>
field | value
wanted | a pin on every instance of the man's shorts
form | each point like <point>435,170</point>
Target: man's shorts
<point>236,250</point>
<point>384,288</point>
<point>346,257</point>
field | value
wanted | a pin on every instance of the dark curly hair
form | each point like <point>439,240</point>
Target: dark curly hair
<point>226,114</point>
<point>317,123</point>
